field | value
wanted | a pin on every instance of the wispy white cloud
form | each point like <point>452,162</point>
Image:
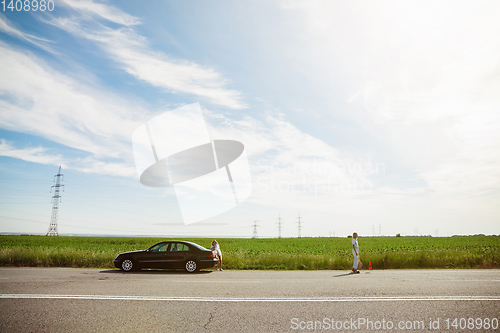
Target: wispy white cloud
<point>88,164</point>
<point>93,165</point>
<point>30,154</point>
<point>107,12</point>
<point>37,99</point>
<point>8,28</point>
<point>131,50</point>
<point>293,169</point>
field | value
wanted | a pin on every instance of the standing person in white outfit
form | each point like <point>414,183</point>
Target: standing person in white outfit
<point>355,252</point>
<point>215,247</point>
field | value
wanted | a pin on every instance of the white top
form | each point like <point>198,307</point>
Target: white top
<point>216,248</point>
<point>355,243</point>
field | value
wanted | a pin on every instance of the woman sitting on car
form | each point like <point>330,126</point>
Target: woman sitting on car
<point>216,248</point>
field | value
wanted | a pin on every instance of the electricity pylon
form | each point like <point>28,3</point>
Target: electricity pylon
<point>298,222</point>
<point>254,235</point>
<point>279,225</point>
<point>56,199</point>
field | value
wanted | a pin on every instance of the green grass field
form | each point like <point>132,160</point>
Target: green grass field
<point>284,254</point>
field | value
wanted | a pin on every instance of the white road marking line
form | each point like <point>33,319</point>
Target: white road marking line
<point>219,299</point>
<point>212,281</point>
<point>474,280</point>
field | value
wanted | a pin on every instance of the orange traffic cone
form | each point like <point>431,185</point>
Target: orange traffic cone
<point>370,265</point>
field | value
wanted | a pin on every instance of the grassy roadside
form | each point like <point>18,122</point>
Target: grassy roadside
<point>281,254</point>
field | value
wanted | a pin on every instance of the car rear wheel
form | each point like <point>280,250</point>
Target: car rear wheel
<point>191,266</point>
<point>127,265</point>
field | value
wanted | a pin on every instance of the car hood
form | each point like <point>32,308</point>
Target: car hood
<point>131,252</point>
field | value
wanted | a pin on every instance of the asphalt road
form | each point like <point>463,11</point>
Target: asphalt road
<point>107,300</point>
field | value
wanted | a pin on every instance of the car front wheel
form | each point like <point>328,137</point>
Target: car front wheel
<point>191,266</point>
<point>127,265</point>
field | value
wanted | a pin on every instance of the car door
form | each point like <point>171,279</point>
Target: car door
<point>155,257</point>
<point>177,255</point>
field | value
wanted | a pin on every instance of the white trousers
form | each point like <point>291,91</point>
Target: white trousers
<point>355,265</point>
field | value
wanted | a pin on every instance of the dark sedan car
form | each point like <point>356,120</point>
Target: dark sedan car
<point>170,254</point>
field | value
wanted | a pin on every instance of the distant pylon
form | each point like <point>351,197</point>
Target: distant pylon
<point>56,199</point>
<point>298,222</point>
<point>279,225</point>
<point>254,235</point>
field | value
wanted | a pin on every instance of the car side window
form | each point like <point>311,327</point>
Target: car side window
<point>164,248</point>
<point>179,247</point>
<point>160,248</point>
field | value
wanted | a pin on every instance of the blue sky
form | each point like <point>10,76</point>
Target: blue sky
<point>370,117</point>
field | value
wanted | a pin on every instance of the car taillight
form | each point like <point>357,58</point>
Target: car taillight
<point>211,255</point>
